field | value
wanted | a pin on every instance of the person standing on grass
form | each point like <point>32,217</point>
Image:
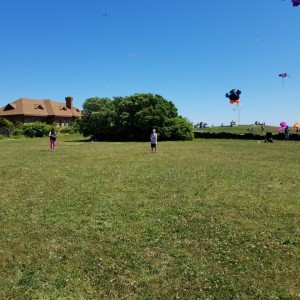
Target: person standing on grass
<point>286,133</point>
<point>52,135</point>
<point>153,138</point>
<point>263,128</point>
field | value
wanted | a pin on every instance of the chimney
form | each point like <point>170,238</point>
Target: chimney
<point>69,102</point>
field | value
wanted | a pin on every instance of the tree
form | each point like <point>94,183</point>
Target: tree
<point>98,118</point>
<point>177,128</point>
<point>141,112</point>
<point>132,118</point>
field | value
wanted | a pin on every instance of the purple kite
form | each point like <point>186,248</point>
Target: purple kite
<point>295,2</point>
<point>282,126</point>
<point>283,75</point>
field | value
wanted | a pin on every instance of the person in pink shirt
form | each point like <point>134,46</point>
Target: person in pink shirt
<point>52,135</point>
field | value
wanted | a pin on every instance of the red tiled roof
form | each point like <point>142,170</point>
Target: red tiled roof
<point>39,108</point>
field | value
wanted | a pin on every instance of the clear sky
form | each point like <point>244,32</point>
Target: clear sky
<point>191,52</point>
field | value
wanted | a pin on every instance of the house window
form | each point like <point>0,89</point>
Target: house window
<point>38,106</point>
<point>10,107</point>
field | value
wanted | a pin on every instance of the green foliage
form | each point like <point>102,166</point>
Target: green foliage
<point>255,129</point>
<point>6,123</point>
<point>19,125</point>
<point>177,128</point>
<point>132,118</point>
<point>74,128</point>
<point>6,127</point>
<point>140,113</point>
<point>98,117</point>
<point>18,132</point>
<point>246,132</point>
<point>37,129</point>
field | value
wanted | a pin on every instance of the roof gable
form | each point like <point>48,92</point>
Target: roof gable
<point>9,106</point>
<point>38,106</point>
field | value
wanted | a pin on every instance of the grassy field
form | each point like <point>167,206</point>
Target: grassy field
<point>256,129</point>
<point>206,219</point>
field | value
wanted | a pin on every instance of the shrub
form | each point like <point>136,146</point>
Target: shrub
<point>177,128</point>
<point>37,129</point>
<point>6,127</point>
<point>18,132</point>
<point>70,129</point>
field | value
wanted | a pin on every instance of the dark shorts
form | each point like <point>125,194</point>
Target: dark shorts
<point>153,145</point>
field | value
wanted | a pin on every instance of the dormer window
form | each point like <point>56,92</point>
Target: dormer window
<point>78,110</point>
<point>62,108</point>
<point>38,106</point>
<point>10,106</point>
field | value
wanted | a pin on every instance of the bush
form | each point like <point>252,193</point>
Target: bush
<point>6,127</point>
<point>177,128</point>
<point>18,132</point>
<point>242,136</point>
<point>70,129</point>
<point>37,129</point>
<point>6,123</point>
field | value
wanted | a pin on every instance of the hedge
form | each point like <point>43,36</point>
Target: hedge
<point>241,136</point>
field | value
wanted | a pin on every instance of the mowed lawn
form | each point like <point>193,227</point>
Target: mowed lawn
<point>206,219</point>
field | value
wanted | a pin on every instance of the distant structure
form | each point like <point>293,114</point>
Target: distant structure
<point>201,125</point>
<point>30,110</point>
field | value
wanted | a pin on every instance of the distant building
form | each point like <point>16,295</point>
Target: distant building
<point>29,110</point>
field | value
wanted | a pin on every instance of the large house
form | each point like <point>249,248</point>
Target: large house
<point>29,110</point>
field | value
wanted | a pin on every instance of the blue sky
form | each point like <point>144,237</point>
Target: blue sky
<point>191,52</point>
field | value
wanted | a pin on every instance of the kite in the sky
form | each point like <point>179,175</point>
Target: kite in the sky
<point>283,75</point>
<point>295,2</point>
<point>234,96</point>
<point>283,125</point>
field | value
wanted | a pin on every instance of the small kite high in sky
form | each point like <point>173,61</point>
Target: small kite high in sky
<point>283,76</point>
<point>234,96</point>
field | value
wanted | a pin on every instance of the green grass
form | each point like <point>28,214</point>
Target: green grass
<point>256,129</point>
<point>206,219</point>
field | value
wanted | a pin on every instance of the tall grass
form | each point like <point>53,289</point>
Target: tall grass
<point>207,219</point>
